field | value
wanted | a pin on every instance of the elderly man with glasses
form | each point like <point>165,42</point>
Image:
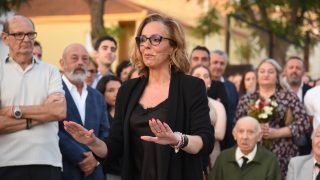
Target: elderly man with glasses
<point>32,101</point>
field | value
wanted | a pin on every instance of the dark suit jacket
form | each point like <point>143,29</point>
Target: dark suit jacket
<point>188,113</point>
<point>228,95</point>
<point>217,91</point>
<point>305,88</point>
<point>72,151</point>
<point>305,144</point>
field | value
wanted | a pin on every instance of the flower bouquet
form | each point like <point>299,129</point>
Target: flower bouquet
<point>263,109</point>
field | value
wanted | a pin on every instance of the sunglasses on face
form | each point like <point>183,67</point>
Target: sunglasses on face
<point>154,40</point>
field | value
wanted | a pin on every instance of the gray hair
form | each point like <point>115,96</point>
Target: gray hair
<point>221,53</point>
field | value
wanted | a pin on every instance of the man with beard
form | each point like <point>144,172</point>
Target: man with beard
<point>105,49</point>
<point>32,101</point>
<point>293,72</point>
<point>85,106</point>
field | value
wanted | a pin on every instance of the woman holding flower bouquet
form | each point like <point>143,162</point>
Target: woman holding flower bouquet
<point>282,116</point>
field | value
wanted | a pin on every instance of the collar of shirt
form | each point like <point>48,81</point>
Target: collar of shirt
<point>222,79</point>
<point>10,60</point>
<point>315,169</point>
<point>250,156</point>
<point>79,99</point>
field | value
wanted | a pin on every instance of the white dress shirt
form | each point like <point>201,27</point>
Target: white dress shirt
<point>79,99</point>
<point>250,156</point>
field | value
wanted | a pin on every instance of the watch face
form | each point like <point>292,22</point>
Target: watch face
<point>17,114</point>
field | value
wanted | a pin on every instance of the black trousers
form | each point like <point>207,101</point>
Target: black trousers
<point>30,172</point>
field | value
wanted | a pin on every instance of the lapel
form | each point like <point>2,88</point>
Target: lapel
<point>133,100</point>
<point>133,95</point>
<point>91,111</point>
<point>305,88</point>
<point>72,110</point>
<point>174,93</point>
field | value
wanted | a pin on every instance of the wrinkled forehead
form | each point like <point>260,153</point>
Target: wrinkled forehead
<point>294,62</point>
<point>199,53</point>
<point>20,23</point>
<point>247,124</point>
<point>75,49</point>
<point>217,57</point>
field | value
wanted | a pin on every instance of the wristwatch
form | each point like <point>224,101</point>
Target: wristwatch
<point>17,112</point>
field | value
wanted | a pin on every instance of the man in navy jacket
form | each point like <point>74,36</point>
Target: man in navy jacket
<point>223,90</point>
<point>85,106</point>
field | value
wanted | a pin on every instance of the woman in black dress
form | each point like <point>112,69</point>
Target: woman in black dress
<point>162,124</point>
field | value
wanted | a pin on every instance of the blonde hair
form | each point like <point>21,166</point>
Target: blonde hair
<point>178,58</point>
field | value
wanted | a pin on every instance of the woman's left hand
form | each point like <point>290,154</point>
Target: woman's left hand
<point>163,133</point>
<point>267,131</point>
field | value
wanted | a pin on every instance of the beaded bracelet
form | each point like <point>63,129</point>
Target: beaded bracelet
<point>183,142</point>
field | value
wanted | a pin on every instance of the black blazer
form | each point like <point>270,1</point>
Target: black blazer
<point>188,113</point>
<point>305,88</point>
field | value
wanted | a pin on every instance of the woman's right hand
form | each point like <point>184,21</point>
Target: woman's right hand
<point>79,133</point>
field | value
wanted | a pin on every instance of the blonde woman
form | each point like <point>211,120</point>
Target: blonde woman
<point>162,126</point>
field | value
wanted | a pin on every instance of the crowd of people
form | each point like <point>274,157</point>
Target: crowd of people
<point>162,115</point>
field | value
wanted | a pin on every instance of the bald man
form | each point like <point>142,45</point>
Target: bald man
<point>247,160</point>
<point>32,101</point>
<point>85,106</point>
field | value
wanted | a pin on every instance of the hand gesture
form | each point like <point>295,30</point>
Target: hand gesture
<point>79,133</point>
<point>163,133</point>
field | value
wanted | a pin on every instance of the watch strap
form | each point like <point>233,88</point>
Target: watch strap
<point>29,123</point>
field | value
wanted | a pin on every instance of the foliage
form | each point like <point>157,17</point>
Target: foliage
<point>207,24</point>
<point>114,31</point>
<point>288,20</point>
<point>7,5</point>
<point>247,51</point>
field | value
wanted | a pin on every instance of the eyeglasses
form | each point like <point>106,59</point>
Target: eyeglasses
<point>21,35</point>
<point>154,40</point>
